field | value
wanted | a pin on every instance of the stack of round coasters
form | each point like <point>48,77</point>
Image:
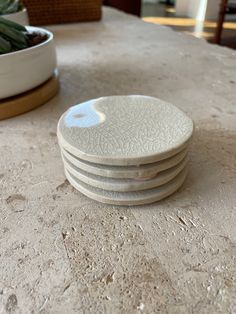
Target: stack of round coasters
<point>125,150</point>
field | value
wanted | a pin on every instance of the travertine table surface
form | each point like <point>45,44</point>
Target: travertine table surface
<point>63,253</point>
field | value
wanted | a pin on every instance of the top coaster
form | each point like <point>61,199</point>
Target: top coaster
<point>124,130</point>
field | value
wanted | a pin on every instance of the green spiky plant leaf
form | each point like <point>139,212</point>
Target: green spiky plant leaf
<point>13,36</point>
<point>10,6</point>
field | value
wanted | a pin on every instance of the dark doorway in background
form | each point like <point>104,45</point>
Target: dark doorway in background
<point>129,6</point>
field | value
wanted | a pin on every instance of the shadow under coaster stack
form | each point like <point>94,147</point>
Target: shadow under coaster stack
<point>125,150</point>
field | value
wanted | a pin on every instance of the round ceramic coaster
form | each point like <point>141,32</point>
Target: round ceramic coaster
<point>125,172</point>
<point>124,185</point>
<point>128,198</point>
<point>124,130</point>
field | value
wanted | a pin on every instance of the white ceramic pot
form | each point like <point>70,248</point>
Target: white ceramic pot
<point>26,69</point>
<point>20,17</point>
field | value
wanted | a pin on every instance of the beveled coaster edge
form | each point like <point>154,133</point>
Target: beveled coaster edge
<point>172,188</point>
<point>135,161</point>
<point>125,172</point>
<point>125,185</point>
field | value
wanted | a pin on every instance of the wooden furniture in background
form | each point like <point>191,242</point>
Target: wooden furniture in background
<point>129,6</point>
<point>62,11</point>
<point>220,22</point>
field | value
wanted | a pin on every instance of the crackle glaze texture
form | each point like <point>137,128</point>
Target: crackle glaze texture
<point>124,130</point>
<point>61,252</point>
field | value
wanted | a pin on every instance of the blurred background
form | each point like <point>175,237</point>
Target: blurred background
<point>213,20</point>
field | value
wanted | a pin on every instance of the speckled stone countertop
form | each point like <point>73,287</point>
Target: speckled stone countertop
<point>61,252</point>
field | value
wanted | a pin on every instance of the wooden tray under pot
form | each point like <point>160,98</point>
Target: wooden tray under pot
<point>25,102</point>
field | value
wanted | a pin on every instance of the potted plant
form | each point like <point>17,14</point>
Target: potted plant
<point>14,10</point>
<point>27,57</point>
